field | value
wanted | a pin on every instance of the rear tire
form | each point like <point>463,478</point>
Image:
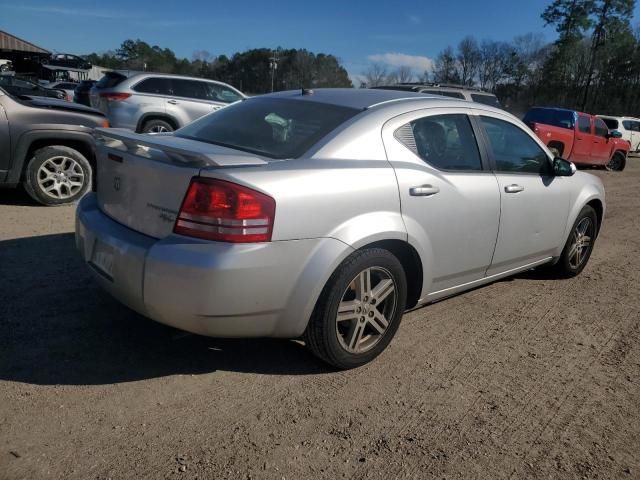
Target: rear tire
<point>617,162</point>
<point>57,175</point>
<point>359,309</point>
<point>577,250</point>
<point>157,126</point>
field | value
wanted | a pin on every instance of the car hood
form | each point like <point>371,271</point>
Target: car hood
<point>54,103</point>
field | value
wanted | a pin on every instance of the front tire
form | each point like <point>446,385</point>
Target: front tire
<point>617,162</point>
<point>359,309</point>
<point>577,250</point>
<point>57,175</point>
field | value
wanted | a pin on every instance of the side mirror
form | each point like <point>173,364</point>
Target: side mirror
<point>615,134</point>
<point>563,168</point>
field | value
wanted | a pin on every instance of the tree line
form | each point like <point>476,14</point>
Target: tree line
<point>253,71</point>
<point>594,65</point>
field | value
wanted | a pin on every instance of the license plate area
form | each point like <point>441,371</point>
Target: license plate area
<point>102,259</point>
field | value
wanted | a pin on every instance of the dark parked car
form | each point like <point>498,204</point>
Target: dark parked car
<point>81,92</point>
<point>21,86</point>
<point>69,61</point>
<point>47,145</point>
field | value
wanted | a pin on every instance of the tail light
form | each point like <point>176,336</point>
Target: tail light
<point>114,96</point>
<point>105,124</point>
<point>218,210</point>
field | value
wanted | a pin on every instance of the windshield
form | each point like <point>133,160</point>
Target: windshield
<point>273,127</point>
<point>550,116</point>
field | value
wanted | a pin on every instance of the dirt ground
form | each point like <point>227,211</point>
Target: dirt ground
<point>525,378</point>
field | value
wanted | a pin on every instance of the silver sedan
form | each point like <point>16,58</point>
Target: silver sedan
<point>325,215</point>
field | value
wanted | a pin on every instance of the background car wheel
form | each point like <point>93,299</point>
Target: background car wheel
<point>157,126</point>
<point>554,151</point>
<point>57,175</point>
<point>359,310</point>
<point>579,246</point>
<point>617,162</point>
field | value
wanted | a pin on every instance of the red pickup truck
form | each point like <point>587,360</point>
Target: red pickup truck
<point>578,137</point>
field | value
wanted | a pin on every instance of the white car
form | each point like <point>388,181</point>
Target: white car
<point>326,214</point>
<point>629,127</point>
<point>6,65</point>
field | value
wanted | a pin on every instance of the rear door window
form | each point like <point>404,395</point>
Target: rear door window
<point>584,124</point>
<point>189,89</point>
<point>156,85</point>
<point>446,142</point>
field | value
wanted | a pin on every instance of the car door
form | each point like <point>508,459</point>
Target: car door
<point>601,145</point>
<point>583,142</point>
<point>449,197</point>
<point>534,204</point>
<point>190,99</point>
<point>5,142</point>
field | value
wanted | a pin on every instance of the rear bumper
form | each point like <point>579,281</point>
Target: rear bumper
<point>209,288</point>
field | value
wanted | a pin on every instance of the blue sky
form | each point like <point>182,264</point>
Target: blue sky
<point>358,32</point>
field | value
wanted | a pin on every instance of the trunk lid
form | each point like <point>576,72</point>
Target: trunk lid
<point>142,179</point>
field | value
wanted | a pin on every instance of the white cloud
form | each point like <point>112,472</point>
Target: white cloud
<point>415,62</point>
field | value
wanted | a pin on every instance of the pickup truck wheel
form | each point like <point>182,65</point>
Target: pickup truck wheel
<point>57,175</point>
<point>617,162</point>
<point>579,246</point>
<point>157,126</point>
<point>359,310</point>
<point>554,151</point>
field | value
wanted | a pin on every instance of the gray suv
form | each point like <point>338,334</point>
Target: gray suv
<point>47,145</point>
<point>153,102</point>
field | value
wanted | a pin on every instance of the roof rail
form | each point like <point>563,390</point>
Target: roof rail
<point>416,85</point>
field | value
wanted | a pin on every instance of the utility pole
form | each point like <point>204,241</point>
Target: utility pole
<point>273,65</point>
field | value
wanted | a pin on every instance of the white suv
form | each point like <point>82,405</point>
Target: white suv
<point>629,127</point>
<point>154,102</point>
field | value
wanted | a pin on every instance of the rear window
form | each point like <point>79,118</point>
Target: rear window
<point>612,123</point>
<point>110,80</point>
<point>273,127</point>
<point>486,99</point>
<point>548,116</point>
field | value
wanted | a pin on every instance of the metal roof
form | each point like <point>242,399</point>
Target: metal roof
<point>359,98</point>
<point>11,42</point>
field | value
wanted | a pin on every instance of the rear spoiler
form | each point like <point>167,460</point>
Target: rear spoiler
<point>183,150</point>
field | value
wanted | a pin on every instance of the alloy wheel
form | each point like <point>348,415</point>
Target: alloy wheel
<point>60,177</point>
<point>366,308</point>
<point>582,238</point>
<point>158,129</point>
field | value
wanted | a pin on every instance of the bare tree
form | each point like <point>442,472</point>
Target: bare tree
<point>376,75</point>
<point>445,70</point>
<point>468,58</point>
<point>404,74</point>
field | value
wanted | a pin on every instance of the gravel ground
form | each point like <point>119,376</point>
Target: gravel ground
<point>528,377</point>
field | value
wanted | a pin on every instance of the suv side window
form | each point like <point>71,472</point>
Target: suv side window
<point>446,142</point>
<point>584,124</point>
<point>601,128</point>
<point>157,85</point>
<point>513,149</point>
<point>190,89</point>
<point>220,93</point>
<point>627,124</point>
<point>635,126</point>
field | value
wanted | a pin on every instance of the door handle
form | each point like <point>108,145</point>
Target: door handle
<point>172,102</point>
<point>513,188</point>
<point>423,191</point>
